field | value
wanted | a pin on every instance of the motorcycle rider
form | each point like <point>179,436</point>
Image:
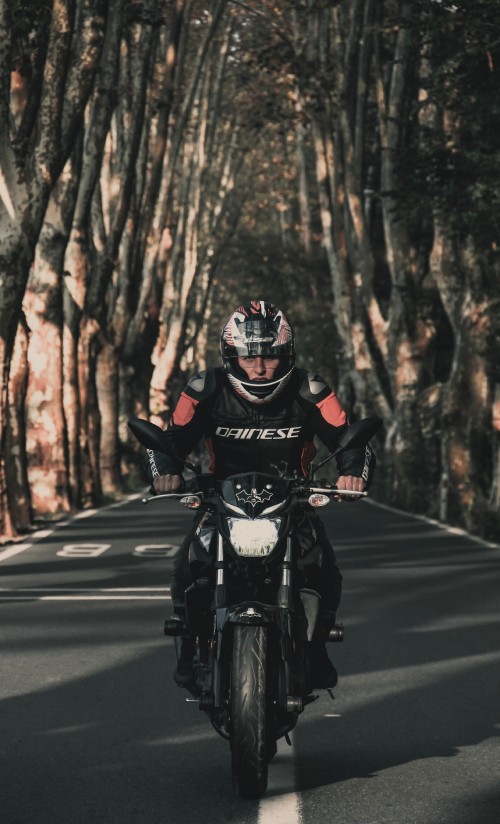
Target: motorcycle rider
<point>256,412</point>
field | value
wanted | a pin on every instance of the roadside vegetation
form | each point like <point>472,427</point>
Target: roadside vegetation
<point>162,161</point>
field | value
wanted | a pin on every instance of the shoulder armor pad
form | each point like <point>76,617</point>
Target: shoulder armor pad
<point>202,385</point>
<point>313,388</point>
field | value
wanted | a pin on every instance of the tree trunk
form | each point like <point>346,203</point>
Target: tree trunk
<point>88,419</point>
<point>107,399</point>
<point>412,328</point>
<point>31,168</point>
<point>133,403</point>
<point>17,478</point>
<point>47,432</point>
<point>97,237</point>
<point>469,439</point>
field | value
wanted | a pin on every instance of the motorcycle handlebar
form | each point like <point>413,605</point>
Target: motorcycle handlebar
<point>331,491</point>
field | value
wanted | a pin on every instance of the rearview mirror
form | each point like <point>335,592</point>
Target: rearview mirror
<point>150,435</point>
<point>359,433</point>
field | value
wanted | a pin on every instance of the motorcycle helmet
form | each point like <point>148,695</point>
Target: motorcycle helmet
<point>258,329</point>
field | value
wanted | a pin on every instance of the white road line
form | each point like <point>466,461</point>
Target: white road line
<point>101,598</point>
<point>13,550</point>
<point>85,589</point>
<point>14,597</point>
<point>452,530</point>
<point>42,533</point>
<point>280,804</point>
<point>86,513</point>
<point>77,594</point>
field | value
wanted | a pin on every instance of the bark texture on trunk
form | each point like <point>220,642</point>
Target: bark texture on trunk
<point>359,125</point>
<point>16,475</point>
<point>47,437</point>
<point>469,439</point>
<point>31,167</point>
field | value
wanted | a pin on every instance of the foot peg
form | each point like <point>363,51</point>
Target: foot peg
<point>294,703</point>
<point>336,633</point>
<point>174,626</point>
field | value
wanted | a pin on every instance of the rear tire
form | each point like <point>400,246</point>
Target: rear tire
<point>249,708</point>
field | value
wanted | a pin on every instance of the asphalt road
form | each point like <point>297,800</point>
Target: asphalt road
<point>93,729</point>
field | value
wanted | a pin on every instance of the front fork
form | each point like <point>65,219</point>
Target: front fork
<point>286,700</point>
<point>220,620</point>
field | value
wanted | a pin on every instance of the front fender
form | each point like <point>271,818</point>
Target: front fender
<point>251,612</point>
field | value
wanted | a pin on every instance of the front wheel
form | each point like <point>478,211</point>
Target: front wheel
<point>249,710</point>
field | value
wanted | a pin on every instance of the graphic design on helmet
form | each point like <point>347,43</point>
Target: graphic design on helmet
<point>258,330</point>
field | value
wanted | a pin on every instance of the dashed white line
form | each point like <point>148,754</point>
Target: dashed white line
<point>14,597</point>
<point>95,598</point>
<point>86,589</point>
<point>86,594</point>
<point>280,805</point>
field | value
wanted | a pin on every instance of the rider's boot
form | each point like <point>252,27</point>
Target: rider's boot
<point>184,672</point>
<point>323,673</point>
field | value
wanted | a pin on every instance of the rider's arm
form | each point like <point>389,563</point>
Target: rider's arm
<point>328,420</point>
<point>185,429</point>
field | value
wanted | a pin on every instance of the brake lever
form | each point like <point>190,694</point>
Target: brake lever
<point>333,491</point>
<point>165,495</point>
<point>281,472</point>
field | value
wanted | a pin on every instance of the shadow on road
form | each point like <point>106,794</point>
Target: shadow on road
<point>98,733</point>
<point>120,745</point>
<point>419,669</point>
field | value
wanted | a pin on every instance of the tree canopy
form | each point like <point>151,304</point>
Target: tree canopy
<point>161,162</point>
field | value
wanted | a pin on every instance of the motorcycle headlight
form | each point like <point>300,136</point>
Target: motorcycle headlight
<point>254,539</point>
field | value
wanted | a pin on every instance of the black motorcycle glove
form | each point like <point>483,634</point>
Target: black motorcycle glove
<point>157,463</point>
<point>357,462</point>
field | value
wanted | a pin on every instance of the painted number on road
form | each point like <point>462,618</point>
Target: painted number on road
<point>155,550</point>
<point>82,550</point>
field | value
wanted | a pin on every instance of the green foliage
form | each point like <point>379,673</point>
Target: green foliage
<point>460,151</point>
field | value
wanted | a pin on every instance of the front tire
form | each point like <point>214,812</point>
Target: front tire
<point>249,710</point>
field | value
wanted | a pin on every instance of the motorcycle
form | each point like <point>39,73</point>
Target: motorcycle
<point>248,609</point>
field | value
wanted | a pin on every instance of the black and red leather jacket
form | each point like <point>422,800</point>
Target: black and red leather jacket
<point>245,437</point>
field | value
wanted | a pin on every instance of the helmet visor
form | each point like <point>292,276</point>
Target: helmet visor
<point>254,338</point>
